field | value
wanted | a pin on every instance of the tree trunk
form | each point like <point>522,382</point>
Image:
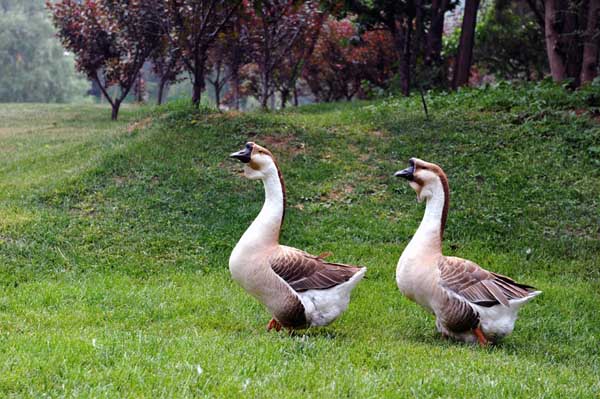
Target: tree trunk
<point>555,57</point>
<point>295,96</point>
<point>462,65</point>
<point>417,40</point>
<point>218,95</point>
<point>265,91</point>
<point>401,34</point>
<point>139,95</point>
<point>405,66</point>
<point>284,97</point>
<point>589,67</point>
<point>573,42</point>
<point>161,90</point>
<point>115,109</point>
<point>433,46</point>
<point>235,80</point>
<point>198,84</point>
<point>196,94</point>
<point>218,86</point>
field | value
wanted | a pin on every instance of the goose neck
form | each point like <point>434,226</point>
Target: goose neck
<point>430,233</point>
<point>266,227</point>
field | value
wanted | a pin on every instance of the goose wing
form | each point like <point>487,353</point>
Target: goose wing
<point>303,271</point>
<point>477,285</point>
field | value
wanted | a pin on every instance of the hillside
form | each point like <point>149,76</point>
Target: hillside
<point>114,241</point>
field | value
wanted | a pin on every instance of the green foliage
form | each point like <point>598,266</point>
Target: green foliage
<point>114,241</point>
<point>33,65</point>
<point>531,98</point>
<point>509,43</point>
<point>521,54</point>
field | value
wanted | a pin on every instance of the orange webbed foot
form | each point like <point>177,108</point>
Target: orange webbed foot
<point>274,324</point>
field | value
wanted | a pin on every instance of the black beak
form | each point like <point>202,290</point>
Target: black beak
<point>243,155</point>
<point>408,172</point>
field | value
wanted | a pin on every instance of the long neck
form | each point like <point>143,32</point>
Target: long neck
<point>430,233</point>
<point>267,225</point>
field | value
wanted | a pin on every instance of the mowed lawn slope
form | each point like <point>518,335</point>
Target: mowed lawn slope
<point>115,238</point>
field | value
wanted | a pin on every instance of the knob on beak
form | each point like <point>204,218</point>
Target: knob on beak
<point>243,155</point>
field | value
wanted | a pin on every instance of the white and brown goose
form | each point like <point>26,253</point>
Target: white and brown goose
<point>470,303</point>
<point>300,290</point>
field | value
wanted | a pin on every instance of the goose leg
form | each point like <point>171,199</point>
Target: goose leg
<point>273,324</point>
<point>483,342</point>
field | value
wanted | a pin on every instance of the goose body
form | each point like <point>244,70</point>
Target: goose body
<point>470,303</point>
<point>300,290</point>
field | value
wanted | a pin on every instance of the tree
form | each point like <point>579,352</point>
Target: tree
<point>462,65</point>
<point>226,57</point>
<point>572,37</point>
<point>166,65</point>
<point>193,26</point>
<point>237,52</point>
<point>344,62</point>
<point>398,17</point>
<point>309,20</point>
<point>376,57</point>
<point>275,29</point>
<point>33,65</point>
<point>591,37</point>
<point>140,90</point>
<point>337,66</point>
<point>330,73</point>
<point>111,40</point>
<point>433,46</point>
<point>416,28</point>
<point>219,73</point>
<point>521,55</point>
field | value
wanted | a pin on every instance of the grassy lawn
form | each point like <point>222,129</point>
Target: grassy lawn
<point>115,237</point>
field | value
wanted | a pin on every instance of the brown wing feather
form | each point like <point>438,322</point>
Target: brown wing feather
<point>477,285</point>
<point>303,271</point>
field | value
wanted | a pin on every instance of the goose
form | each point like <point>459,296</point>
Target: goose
<point>470,303</point>
<point>299,290</point>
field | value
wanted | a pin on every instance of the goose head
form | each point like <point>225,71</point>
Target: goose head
<point>258,161</point>
<point>426,178</point>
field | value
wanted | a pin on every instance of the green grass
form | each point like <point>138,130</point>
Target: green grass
<point>114,241</point>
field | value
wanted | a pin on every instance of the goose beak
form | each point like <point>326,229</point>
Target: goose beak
<point>243,155</point>
<point>406,173</point>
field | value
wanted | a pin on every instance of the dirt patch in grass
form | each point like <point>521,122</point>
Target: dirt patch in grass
<point>141,124</point>
<point>338,193</point>
<point>14,131</point>
<point>83,209</point>
<point>287,143</point>
<point>594,115</point>
<point>378,133</point>
<point>8,148</point>
<point>120,181</point>
<point>232,166</point>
